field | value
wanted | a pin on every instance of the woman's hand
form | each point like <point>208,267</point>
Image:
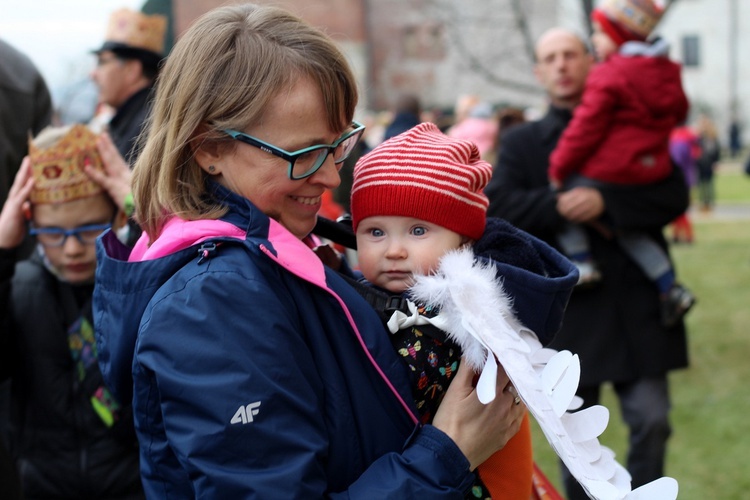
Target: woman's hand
<point>116,176</point>
<point>13,216</point>
<point>478,430</point>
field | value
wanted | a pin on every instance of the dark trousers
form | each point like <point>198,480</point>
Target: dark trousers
<point>645,410</point>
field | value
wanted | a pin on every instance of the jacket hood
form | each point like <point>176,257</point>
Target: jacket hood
<point>127,279</point>
<point>538,278</point>
<point>124,286</point>
<point>650,76</point>
<point>657,48</point>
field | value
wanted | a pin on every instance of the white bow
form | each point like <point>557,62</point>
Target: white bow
<point>400,320</point>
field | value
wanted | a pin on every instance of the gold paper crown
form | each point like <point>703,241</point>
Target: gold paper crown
<point>58,169</point>
<point>137,30</point>
<point>638,16</point>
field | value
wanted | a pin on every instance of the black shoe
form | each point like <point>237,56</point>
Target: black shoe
<point>675,304</point>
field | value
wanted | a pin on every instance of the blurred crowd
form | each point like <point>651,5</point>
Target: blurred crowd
<point>67,434</point>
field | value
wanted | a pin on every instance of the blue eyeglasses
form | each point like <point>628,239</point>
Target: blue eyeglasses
<point>305,162</point>
<point>57,236</point>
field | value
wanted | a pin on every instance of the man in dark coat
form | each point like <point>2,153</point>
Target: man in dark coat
<point>126,67</point>
<point>615,328</point>
<point>25,108</point>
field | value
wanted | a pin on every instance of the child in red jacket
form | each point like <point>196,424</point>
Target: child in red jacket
<point>619,134</point>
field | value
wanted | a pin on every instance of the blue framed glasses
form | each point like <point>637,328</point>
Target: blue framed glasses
<point>305,162</point>
<point>57,236</point>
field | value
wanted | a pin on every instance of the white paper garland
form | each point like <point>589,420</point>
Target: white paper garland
<point>477,314</point>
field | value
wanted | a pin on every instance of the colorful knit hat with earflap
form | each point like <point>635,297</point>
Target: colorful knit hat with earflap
<point>427,175</point>
<point>628,20</point>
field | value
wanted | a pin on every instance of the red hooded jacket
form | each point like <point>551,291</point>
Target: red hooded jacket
<point>620,131</point>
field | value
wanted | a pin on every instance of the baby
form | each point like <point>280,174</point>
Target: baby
<point>415,198</point>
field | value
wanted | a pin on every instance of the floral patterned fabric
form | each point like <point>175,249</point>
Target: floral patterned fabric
<point>432,359</point>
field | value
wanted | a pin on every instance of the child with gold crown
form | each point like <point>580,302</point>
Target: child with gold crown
<point>70,438</point>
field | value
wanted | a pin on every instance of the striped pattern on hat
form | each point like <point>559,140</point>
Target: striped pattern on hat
<point>427,175</point>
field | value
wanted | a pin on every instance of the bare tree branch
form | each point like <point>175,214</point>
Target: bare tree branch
<point>523,28</point>
<point>483,59</point>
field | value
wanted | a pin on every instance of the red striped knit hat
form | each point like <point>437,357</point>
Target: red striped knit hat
<point>427,175</point>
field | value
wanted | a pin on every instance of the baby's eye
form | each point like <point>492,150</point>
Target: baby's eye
<point>419,231</point>
<point>376,232</point>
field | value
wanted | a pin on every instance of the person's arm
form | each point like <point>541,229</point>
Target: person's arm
<point>238,348</point>
<point>588,128</point>
<point>229,355</point>
<point>12,216</point>
<point>115,179</point>
<point>716,156</point>
<point>643,207</point>
<point>650,206</point>
<point>518,190</point>
<point>12,233</point>
<point>7,270</point>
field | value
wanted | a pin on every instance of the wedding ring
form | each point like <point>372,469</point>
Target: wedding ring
<point>512,390</point>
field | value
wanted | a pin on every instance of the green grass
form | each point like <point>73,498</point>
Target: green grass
<point>711,399</point>
<point>732,185</point>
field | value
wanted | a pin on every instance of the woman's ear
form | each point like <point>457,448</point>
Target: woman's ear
<point>207,153</point>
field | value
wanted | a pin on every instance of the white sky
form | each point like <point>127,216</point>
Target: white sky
<point>58,35</point>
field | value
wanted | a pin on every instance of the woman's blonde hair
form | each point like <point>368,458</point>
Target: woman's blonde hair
<point>222,74</point>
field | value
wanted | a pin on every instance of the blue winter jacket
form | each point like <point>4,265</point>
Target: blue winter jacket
<point>255,372</point>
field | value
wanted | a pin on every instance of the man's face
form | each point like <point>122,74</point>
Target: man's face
<point>113,76</point>
<point>562,66</point>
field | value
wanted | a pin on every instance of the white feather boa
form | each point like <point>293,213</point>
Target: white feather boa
<point>478,315</point>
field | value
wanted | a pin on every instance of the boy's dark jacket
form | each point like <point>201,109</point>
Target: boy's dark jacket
<point>63,448</point>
